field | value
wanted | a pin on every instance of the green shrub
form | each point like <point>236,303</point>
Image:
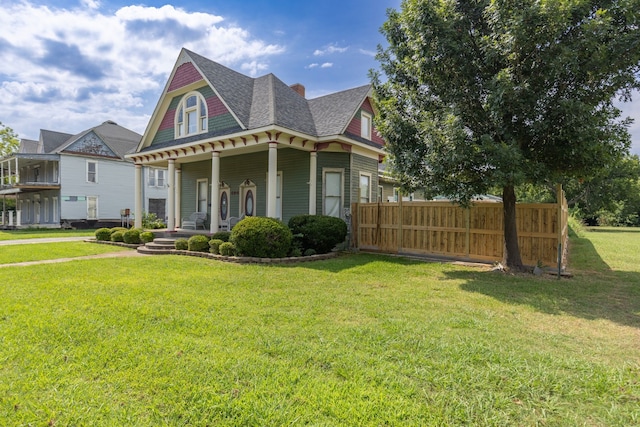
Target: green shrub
<point>319,232</point>
<point>117,236</point>
<point>198,243</point>
<point>222,235</point>
<point>181,244</point>
<point>261,237</point>
<point>114,229</point>
<point>227,249</point>
<point>214,246</point>
<point>310,252</point>
<point>103,234</point>
<point>146,237</point>
<point>151,221</point>
<point>131,236</point>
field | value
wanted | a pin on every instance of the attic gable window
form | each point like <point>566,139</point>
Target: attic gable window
<point>191,115</point>
<point>365,123</point>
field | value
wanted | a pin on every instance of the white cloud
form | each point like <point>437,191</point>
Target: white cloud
<point>367,52</point>
<point>329,49</point>
<point>91,4</point>
<point>79,67</point>
<point>327,65</point>
<point>313,65</point>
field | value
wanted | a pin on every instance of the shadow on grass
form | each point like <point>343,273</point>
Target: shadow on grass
<point>595,292</point>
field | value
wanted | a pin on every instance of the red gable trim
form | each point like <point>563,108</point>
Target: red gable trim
<point>185,75</point>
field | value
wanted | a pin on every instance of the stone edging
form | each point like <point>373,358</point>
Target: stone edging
<point>235,259</point>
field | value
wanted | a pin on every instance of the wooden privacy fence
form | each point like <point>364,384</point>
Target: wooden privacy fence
<point>448,230</point>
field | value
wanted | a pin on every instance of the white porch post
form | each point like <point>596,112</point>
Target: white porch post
<point>9,175</point>
<point>171,202</point>
<point>313,168</point>
<point>18,217</point>
<point>178,214</point>
<point>215,192</point>
<point>17,171</point>
<point>137,208</point>
<point>272,180</point>
<point>10,218</point>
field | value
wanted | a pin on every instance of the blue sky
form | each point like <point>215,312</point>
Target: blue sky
<point>70,65</point>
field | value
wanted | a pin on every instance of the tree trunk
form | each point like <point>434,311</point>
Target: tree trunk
<point>512,259</point>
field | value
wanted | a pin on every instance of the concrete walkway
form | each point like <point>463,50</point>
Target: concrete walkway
<point>120,254</point>
<point>43,240</point>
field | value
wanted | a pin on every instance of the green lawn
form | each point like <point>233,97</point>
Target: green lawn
<point>44,251</point>
<point>359,340</point>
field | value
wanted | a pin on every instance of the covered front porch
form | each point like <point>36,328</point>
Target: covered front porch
<point>269,174</point>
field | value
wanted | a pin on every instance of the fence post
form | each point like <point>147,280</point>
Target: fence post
<point>467,237</point>
<point>400,221</point>
<point>559,197</point>
<point>354,225</point>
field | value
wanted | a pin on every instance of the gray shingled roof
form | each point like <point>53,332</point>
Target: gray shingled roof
<point>266,100</point>
<point>28,146</point>
<point>50,140</point>
<point>120,140</point>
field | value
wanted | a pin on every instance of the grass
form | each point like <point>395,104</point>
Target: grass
<point>33,233</point>
<point>45,251</point>
<point>358,340</point>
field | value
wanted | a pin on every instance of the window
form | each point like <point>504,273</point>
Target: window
<point>191,116</point>
<point>156,177</point>
<point>332,192</point>
<point>92,172</point>
<point>365,125</point>
<point>202,195</point>
<point>365,188</point>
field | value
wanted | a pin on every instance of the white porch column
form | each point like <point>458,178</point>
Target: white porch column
<point>178,214</point>
<point>18,219</point>
<point>171,202</point>
<point>10,218</point>
<point>215,192</point>
<point>272,180</point>
<point>137,208</point>
<point>9,175</point>
<point>17,172</point>
<point>313,170</point>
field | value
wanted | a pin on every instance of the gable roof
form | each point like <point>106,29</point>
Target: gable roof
<point>28,146</point>
<point>50,140</point>
<point>268,101</point>
<point>119,140</point>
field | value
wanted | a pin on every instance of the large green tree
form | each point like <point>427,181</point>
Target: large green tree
<point>483,93</point>
<point>9,141</point>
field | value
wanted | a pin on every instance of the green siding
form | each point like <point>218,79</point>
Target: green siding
<point>191,173</point>
<point>363,164</point>
<point>293,164</point>
<point>333,161</point>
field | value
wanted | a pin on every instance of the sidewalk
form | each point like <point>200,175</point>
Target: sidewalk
<point>43,240</point>
<point>131,253</point>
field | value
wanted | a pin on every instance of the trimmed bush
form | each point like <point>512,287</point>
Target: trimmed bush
<point>117,236</point>
<point>181,244</point>
<point>214,246</point>
<point>146,237</point>
<point>261,237</point>
<point>319,232</point>
<point>151,220</point>
<point>222,235</point>
<point>227,249</point>
<point>131,236</point>
<point>198,243</point>
<point>103,234</point>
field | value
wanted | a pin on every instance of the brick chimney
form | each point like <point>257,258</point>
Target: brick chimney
<point>298,88</point>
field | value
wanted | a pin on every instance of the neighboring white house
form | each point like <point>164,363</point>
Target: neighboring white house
<point>80,180</point>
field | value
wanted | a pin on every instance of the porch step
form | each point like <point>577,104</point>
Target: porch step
<point>161,245</point>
